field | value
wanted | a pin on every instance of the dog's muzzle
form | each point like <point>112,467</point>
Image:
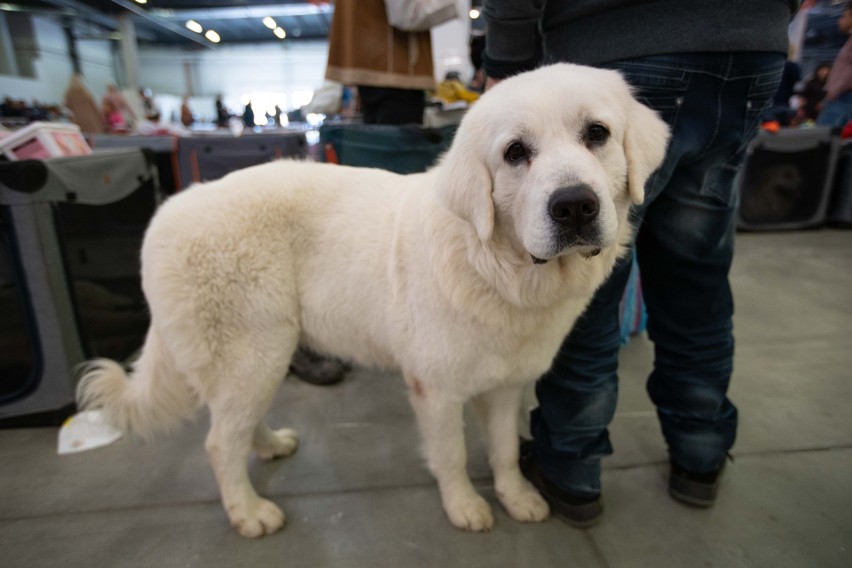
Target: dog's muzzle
<point>574,210</point>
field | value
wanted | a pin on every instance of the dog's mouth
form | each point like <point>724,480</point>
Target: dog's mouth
<point>590,253</point>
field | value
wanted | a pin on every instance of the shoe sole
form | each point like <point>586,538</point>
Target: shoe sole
<point>703,503</point>
<point>693,492</point>
<point>576,523</point>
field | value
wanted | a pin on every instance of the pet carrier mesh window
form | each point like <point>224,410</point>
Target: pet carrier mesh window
<point>784,186</point>
<point>17,356</point>
<point>101,246</point>
<point>787,178</point>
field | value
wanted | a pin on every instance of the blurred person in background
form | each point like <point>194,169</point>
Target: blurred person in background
<point>186,116</point>
<point>392,68</point>
<point>812,94</point>
<point>116,101</point>
<point>85,112</point>
<point>837,106</point>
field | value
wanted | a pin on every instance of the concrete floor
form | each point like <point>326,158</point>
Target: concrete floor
<point>357,495</point>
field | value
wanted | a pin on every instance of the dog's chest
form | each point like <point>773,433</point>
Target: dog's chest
<point>510,355</point>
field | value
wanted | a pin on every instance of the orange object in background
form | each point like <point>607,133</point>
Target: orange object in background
<point>771,126</point>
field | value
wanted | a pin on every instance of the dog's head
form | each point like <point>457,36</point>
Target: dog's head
<point>551,159</point>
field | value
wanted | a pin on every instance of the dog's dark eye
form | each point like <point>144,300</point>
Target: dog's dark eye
<point>516,153</point>
<point>597,134</point>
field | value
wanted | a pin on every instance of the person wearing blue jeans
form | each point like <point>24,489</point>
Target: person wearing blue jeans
<point>837,105</point>
<point>709,70</point>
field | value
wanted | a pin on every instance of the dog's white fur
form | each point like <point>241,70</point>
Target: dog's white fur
<point>431,274</point>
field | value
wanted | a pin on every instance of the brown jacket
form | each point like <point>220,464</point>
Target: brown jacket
<point>84,110</point>
<point>365,50</point>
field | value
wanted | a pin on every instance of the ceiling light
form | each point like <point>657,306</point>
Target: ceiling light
<point>279,32</point>
<point>194,26</point>
<point>212,36</point>
<point>474,14</point>
<point>141,1</point>
<point>269,22</point>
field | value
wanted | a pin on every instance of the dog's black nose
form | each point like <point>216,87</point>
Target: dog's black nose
<point>574,206</point>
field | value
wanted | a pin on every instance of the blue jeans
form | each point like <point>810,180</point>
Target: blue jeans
<point>684,246</point>
<point>836,112</point>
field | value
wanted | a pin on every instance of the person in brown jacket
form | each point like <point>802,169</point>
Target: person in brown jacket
<point>391,68</point>
<point>84,109</point>
<point>186,116</point>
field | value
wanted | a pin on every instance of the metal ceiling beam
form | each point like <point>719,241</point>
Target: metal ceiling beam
<point>83,12</point>
<point>161,21</point>
<point>244,12</point>
<point>80,10</point>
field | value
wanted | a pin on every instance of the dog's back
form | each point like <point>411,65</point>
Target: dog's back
<point>234,269</point>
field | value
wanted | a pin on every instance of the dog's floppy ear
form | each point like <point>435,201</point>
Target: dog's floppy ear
<point>645,145</point>
<point>464,185</point>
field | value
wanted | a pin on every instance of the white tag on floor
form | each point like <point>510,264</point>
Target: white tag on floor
<point>86,430</point>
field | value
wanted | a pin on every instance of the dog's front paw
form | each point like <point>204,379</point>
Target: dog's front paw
<point>263,517</point>
<point>525,505</point>
<point>470,513</point>
<point>277,444</point>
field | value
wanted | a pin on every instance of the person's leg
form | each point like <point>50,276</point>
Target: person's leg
<point>836,112</point>
<point>387,105</point>
<point>370,100</point>
<point>685,251</point>
<point>577,395</point>
<point>402,106</point>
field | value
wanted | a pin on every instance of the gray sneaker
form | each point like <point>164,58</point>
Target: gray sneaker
<point>315,369</point>
<point>696,489</point>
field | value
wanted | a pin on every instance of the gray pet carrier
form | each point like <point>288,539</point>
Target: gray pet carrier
<point>840,209</point>
<point>69,274</point>
<point>786,180</point>
<point>209,157</point>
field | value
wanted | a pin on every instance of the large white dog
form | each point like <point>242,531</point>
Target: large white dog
<point>466,278</point>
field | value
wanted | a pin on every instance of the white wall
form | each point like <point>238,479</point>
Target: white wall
<point>285,74</point>
<point>451,44</point>
<point>53,66</point>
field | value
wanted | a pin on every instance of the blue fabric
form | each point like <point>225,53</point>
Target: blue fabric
<point>836,112</point>
<point>632,313</point>
<point>684,249</point>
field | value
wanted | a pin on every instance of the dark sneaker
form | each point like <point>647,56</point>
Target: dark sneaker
<point>696,489</point>
<point>315,369</point>
<point>574,510</point>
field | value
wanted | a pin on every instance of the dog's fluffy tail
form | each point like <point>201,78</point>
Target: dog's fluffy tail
<point>153,398</point>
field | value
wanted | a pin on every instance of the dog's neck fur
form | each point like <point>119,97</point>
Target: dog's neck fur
<point>506,275</point>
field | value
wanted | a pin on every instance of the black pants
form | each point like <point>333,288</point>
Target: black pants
<point>387,105</point>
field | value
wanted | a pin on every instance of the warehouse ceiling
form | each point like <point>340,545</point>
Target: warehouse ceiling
<point>164,22</point>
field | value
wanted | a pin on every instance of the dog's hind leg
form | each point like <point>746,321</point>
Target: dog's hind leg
<point>442,429</point>
<point>497,410</point>
<point>271,444</point>
<point>237,404</point>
